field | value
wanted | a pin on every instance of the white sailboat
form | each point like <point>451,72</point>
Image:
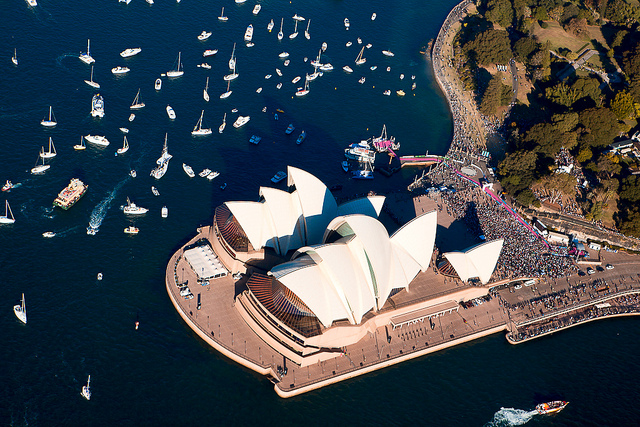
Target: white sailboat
<point>86,389</point>
<point>232,60</point>
<point>80,146</point>
<point>280,33</point>
<point>306,32</point>
<point>20,310</point>
<point>359,59</point>
<point>305,90</point>
<point>51,152</point>
<point>39,168</point>
<point>228,92</point>
<point>224,123</point>
<point>86,57</point>
<point>14,58</point>
<point>205,93</point>
<point>178,71</point>
<point>90,82</point>
<point>222,17</point>
<point>51,122</point>
<point>295,32</point>
<point>198,130</point>
<point>125,146</point>
<point>137,104</point>
<point>8,219</point>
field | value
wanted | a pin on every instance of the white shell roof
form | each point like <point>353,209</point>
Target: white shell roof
<point>478,261</point>
<point>370,205</point>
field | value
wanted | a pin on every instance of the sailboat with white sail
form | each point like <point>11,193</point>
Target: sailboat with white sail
<point>359,59</point>
<point>51,152</point>
<point>222,17</point>
<point>305,90</point>
<point>20,310</point>
<point>137,104</point>
<point>86,56</point>
<point>37,169</point>
<point>177,71</point>
<point>232,60</point>
<point>198,130</point>
<point>8,217</point>
<point>162,162</point>
<point>306,32</point>
<point>14,58</point>
<point>295,32</point>
<point>90,82</point>
<point>125,146</point>
<point>223,124</point>
<point>80,146</point>
<point>205,92</point>
<point>51,121</point>
<point>228,92</point>
<point>280,33</point>
<point>86,389</point>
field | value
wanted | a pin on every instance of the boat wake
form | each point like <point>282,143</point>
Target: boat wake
<point>100,211</point>
<point>511,417</point>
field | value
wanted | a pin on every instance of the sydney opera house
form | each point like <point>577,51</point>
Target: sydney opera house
<point>312,277</point>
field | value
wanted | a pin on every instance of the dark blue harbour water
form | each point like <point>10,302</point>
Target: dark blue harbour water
<point>163,374</point>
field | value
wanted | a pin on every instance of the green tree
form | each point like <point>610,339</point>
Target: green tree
<point>584,154</point>
<point>500,12</point>
<point>588,87</point>
<point>622,105</point>
<point>561,94</point>
<point>492,96</point>
<point>518,170</point>
<point>490,47</point>
<point>565,122</point>
<point>631,60</point>
<point>524,47</point>
<point>630,189</point>
<point>601,126</point>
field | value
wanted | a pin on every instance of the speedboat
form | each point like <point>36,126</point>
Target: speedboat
<point>32,3</point>
<point>401,76</point>
<point>154,191</point>
<point>278,72</point>
<point>295,80</point>
<point>133,209</point>
<point>241,121</point>
<point>279,176</point>
<point>209,52</point>
<point>91,231</point>
<point>171,113</point>
<point>297,17</point>
<point>373,67</point>
<point>98,140</point>
<point>131,230</point>
<point>130,52</point>
<point>268,76</point>
<point>290,129</point>
<point>373,16</point>
<point>388,53</point>
<point>324,46</point>
<point>348,44</point>
<point>301,137</point>
<point>48,234</point>
<point>283,55</point>
<point>120,70</point>
<point>158,84</point>
<point>7,186</point>
<point>204,35</point>
<point>188,170</point>
<point>347,69</point>
<point>124,130</point>
<point>551,407</point>
<point>132,117</point>
<point>204,65</point>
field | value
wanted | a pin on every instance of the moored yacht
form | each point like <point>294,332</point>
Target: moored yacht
<point>198,130</point>
<point>248,34</point>
<point>51,152</point>
<point>20,310</point>
<point>188,170</point>
<point>133,209</point>
<point>162,162</point>
<point>51,121</point>
<point>97,106</point>
<point>177,71</point>
<point>171,113</point>
<point>120,70</point>
<point>97,139</point>
<point>241,121</point>
<point>86,56</point>
<point>130,52</point>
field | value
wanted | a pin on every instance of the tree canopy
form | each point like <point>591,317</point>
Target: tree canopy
<point>490,47</point>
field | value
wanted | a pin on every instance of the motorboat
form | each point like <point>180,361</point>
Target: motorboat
<point>324,46</point>
<point>51,152</point>
<point>204,65</point>
<point>133,209</point>
<point>38,169</point>
<point>131,230</point>
<point>8,217</point>
<point>120,70</point>
<point>297,17</point>
<point>401,76</point>
<point>283,55</point>
<point>213,175</point>
<point>270,25</point>
<point>388,53</point>
<point>359,40</point>
<point>259,90</point>
<point>290,129</point>
<point>171,113</point>
<point>32,3</point>
<point>86,390</point>
<point>373,16</point>
<point>86,56</point>
<point>204,173</point>
<point>8,186</point>
<point>177,71</point>
<point>222,17</point>
<point>124,130</point>
<point>301,137</point>
<point>51,121</point>
<point>295,32</point>
<point>295,80</point>
<point>136,104</point>
<point>373,67</point>
<point>256,9</point>
<point>413,86</point>
<point>149,1</point>
<point>132,117</point>
<point>280,33</point>
<point>287,62</point>
<point>162,162</point>
<point>204,35</point>
<point>133,173</point>
<point>400,92</point>
<point>279,85</point>
<point>48,234</point>
<point>14,58</point>
<point>368,46</point>
<point>209,52</point>
<point>346,23</point>
<point>124,148</point>
<point>97,106</point>
<point>278,72</point>
<point>20,310</point>
<point>91,231</point>
<point>347,69</point>
<point>386,92</point>
<point>551,407</point>
<point>155,191</point>
<point>98,140</point>
<point>326,67</point>
<point>361,80</point>
<point>80,146</point>
<point>388,69</point>
<point>349,43</point>
<point>198,130</point>
<point>90,82</point>
<point>279,176</point>
<point>223,124</point>
<point>188,170</point>
<point>164,212</point>
<point>158,84</point>
<point>248,34</point>
<point>133,51</point>
<point>241,121</point>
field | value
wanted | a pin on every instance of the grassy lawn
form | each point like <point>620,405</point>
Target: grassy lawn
<point>559,38</point>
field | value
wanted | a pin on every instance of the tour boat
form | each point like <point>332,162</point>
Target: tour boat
<point>162,162</point>
<point>256,9</point>
<point>388,53</point>
<point>14,58</point>
<point>297,17</point>
<point>178,71</point>
<point>301,137</point>
<point>241,121</point>
<point>209,52</point>
<point>295,32</point>
<point>158,84</point>
<point>51,152</point>
<point>204,173</point>
<point>188,170</point>
<point>204,35</point>
<point>551,407</point>
<point>222,17</point>
<point>213,175</point>
<point>8,215</point>
<point>347,69</point>
<point>228,92</point>
<point>164,212</point>
<point>131,230</point>
<point>279,176</point>
<point>280,33</point>
<point>86,57</point>
<point>37,169</point>
<point>86,390</point>
<point>171,113</point>
<point>90,82</point>
<point>137,104</point>
<point>120,70</point>
<point>98,140</point>
<point>133,209</point>
<point>48,234</point>
<point>223,124</point>
<point>270,25</point>
<point>125,146</point>
<point>51,121</point>
<point>7,186</point>
<point>198,130</point>
<point>305,90</point>
<point>290,129</point>
<point>248,34</point>
<point>205,92</point>
<point>359,59</point>
<point>306,32</point>
<point>346,23</point>
<point>80,146</point>
<point>97,106</point>
<point>130,52</point>
<point>20,310</point>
